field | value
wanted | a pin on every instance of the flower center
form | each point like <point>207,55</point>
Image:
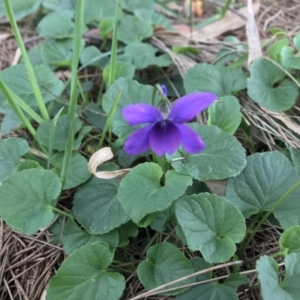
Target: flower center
<point>164,107</point>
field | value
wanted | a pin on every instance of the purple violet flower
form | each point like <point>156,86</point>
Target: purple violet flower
<point>165,129</point>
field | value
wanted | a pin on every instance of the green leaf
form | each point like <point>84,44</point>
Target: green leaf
<point>216,79</point>
<point>211,224</point>
<point>123,69</point>
<point>132,29</point>
<point>61,133</point>
<point>57,53</point>
<point>27,198</point>
<point>268,88</point>
<point>215,290</point>
<point>28,164</point>
<point>274,51</point>
<point>74,238</point>
<point>289,241</point>
<point>51,87</point>
<point>141,9</point>
<point>289,59</point>
<point>127,231</point>
<point>91,56</point>
<point>223,156</point>
<point>83,275</point>
<point>141,193</point>
<point>106,27</point>
<point>132,92</point>
<point>97,207</point>
<point>226,114</point>
<point>77,172</point>
<point>57,4</point>
<point>21,8</point>
<point>57,25</point>
<point>11,150</point>
<point>95,115</point>
<point>271,285</point>
<point>267,177</point>
<point>10,122</point>
<point>165,263</point>
<point>144,55</point>
<point>95,11</point>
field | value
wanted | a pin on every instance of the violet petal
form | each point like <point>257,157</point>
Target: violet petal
<point>138,141</point>
<point>187,107</point>
<point>190,139</point>
<point>141,113</point>
<point>164,138</point>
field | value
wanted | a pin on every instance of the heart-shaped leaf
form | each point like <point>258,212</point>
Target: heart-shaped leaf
<point>274,288</point>
<point>265,180</point>
<point>225,113</point>
<point>223,156</point>
<point>141,193</point>
<point>289,241</point>
<point>97,207</point>
<point>165,263</point>
<point>83,275</point>
<point>268,88</point>
<point>216,79</point>
<point>27,198</point>
<point>211,224</point>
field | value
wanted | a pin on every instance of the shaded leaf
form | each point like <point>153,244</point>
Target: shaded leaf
<point>83,275</point>
<point>11,150</point>
<point>223,156</point>
<point>211,224</point>
<point>266,178</point>
<point>27,198</point>
<point>165,263</point>
<point>268,87</point>
<point>216,79</point>
<point>141,193</point>
<point>73,238</point>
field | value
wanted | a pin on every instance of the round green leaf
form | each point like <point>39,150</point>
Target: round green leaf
<point>91,56</point>
<point>11,150</point>
<point>77,171</point>
<point>73,237</point>
<point>27,198</point>
<point>268,88</point>
<point>272,287</point>
<point>216,79</point>
<point>83,275</point>
<point>223,156</point>
<point>141,193</point>
<point>132,29</point>
<point>52,87</point>
<point>289,241</point>
<point>266,178</point>
<point>57,25</point>
<point>165,263</point>
<point>97,207</point>
<point>211,224</point>
<point>226,114</point>
<point>132,92</point>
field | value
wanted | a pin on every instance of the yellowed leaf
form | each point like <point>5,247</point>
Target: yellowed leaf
<point>100,157</point>
<point>197,7</point>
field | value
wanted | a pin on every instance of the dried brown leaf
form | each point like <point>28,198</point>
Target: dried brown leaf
<point>100,157</point>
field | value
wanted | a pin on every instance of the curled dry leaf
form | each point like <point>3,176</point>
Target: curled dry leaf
<point>100,157</point>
